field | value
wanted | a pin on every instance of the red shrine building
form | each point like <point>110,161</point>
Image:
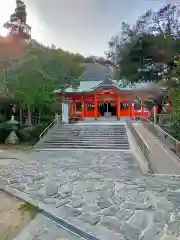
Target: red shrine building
<point>105,98</point>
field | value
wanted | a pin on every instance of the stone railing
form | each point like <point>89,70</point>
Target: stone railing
<point>167,140</point>
<point>139,140</point>
<point>57,121</point>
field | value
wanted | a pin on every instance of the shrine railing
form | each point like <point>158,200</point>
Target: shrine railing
<point>166,139</point>
<point>140,141</point>
<point>57,121</point>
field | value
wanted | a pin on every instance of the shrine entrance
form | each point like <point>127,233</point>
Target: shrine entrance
<point>107,109</point>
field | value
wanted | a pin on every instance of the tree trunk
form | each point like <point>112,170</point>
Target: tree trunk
<point>29,116</point>
<point>39,117</point>
<point>21,116</point>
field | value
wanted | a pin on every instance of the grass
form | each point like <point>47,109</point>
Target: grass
<point>28,207</point>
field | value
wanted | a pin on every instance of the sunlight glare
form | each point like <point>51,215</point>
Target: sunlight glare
<point>3,32</point>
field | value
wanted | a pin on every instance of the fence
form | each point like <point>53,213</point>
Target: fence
<point>36,120</point>
<point>140,141</point>
<point>163,120</point>
<point>170,142</point>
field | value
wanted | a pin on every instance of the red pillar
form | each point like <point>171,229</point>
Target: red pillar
<point>95,108</point>
<point>170,108</point>
<point>132,111</point>
<point>83,108</point>
<point>73,108</point>
<point>118,108</point>
<point>129,108</point>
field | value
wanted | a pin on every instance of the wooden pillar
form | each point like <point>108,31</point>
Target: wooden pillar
<point>129,109</point>
<point>155,114</point>
<point>170,108</point>
<point>118,107</point>
<point>95,108</point>
<point>132,110</point>
<point>142,111</point>
<point>83,108</point>
<point>74,107</point>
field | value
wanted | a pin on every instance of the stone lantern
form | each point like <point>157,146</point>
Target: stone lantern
<point>12,125</point>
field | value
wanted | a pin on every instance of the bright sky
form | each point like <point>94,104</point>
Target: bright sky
<point>37,26</point>
<point>83,26</point>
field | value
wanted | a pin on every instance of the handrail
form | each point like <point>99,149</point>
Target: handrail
<point>47,128</point>
<point>168,141</point>
<point>145,150</point>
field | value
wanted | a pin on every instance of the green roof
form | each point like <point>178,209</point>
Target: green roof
<point>92,85</point>
<point>97,76</point>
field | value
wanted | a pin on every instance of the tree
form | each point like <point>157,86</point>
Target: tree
<point>61,65</point>
<point>12,46</point>
<point>146,51</point>
<point>17,25</point>
<point>30,85</point>
<point>32,80</point>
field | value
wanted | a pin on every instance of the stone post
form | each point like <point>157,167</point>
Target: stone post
<point>58,119</point>
<point>154,115</point>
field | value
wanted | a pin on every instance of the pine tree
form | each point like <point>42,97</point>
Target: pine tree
<point>17,25</point>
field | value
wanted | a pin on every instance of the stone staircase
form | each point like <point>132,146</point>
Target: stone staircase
<point>85,137</point>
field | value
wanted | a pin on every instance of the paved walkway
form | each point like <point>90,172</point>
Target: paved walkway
<point>42,228</point>
<point>161,160</point>
<point>101,192</point>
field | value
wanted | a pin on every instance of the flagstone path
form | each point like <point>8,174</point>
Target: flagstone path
<point>102,189</point>
<point>42,228</point>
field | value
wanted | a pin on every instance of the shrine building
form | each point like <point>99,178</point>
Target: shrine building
<point>105,98</point>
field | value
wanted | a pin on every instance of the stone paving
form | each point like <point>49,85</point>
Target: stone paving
<point>42,228</point>
<point>104,189</point>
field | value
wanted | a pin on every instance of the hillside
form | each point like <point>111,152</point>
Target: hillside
<point>95,71</point>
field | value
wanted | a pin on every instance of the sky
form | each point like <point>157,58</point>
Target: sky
<point>83,26</point>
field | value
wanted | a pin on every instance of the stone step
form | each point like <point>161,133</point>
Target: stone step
<point>92,126</point>
<point>87,137</point>
<point>88,134</point>
<point>87,140</point>
<point>86,146</point>
<point>93,129</point>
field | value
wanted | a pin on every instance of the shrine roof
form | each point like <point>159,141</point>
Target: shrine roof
<point>92,85</point>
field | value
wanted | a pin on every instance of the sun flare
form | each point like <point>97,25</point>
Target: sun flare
<point>3,32</point>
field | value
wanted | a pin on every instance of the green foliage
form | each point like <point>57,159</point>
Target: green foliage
<point>17,25</point>
<point>149,51</point>
<point>39,72</point>
<point>146,50</point>
<point>29,84</point>
<point>32,78</point>
<point>28,207</point>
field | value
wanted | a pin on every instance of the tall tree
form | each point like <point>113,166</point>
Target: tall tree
<point>17,25</point>
<point>146,50</point>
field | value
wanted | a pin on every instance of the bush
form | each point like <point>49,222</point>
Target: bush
<point>4,133</point>
<point>37,131</point>
<point>30,134</point>
<point>175,129</point>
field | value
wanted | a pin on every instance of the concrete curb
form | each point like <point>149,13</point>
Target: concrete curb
<point>51,228</point>
<point>25,233</point>
<point>144,165</point>
<point>86,231</point>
